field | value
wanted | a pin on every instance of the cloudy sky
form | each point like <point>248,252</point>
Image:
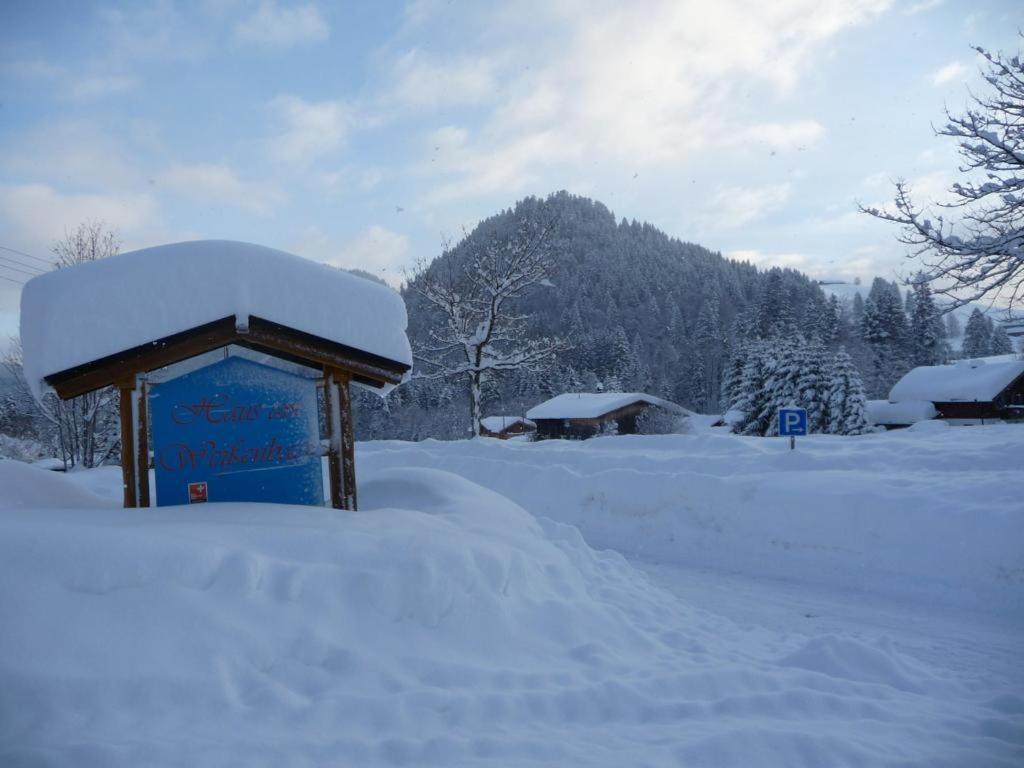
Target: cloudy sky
<point>365,133</point>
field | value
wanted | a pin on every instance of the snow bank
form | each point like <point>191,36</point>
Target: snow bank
<point>589,405</point>
<point>932,516</point>
<point>25,486</point>
<point>137,297</point>
<point>966,380</point>
<point>902,413</point>
<point>445,625</point>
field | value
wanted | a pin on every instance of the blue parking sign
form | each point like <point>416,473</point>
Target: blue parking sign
<point>792,422</point>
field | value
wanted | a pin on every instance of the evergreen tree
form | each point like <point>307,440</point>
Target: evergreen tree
<point>1000,342</point>
<point>732,378</point>
<point>977,338</point>
<point>695,395</point>
<point>783,381</point>
<point>709,341</point>
<point>813,383</point>
<point>754,396</point>
<point>925,338</point>
<point>617,361</point>
<point>846,400</point>
<point>884,328</point>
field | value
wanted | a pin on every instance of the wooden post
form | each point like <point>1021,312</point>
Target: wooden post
<point>348,446</point>
<point>332,415</point>
<point>128,453</point>
<point>142,438</point>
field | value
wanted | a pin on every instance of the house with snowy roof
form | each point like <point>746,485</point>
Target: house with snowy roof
<point>965,392</point>
<point>504,427</point>
<point>579,415</point>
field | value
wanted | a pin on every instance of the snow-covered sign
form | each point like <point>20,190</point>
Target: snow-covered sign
<point>109,323</point>
<point>136,298</point>
<point>236,431</point>
<point>594,405</point>
<point>964,381</point>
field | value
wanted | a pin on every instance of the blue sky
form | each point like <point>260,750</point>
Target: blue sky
<point>365,134</point>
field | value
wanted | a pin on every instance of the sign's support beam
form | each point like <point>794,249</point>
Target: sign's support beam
<point>348,448</point>
<point>341,465</point>
<point>142,440</point>
<point>126,390</point>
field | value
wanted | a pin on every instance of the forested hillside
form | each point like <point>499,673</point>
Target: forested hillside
<point>641,310</point>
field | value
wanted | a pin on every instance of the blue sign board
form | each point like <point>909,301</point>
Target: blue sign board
<point>236,430</point>
<point>792,422</point>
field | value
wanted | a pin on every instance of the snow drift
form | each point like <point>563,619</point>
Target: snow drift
<point>446,625</point>
<point>933,516</point>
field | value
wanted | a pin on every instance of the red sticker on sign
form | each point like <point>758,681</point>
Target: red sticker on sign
<point>197,493</point>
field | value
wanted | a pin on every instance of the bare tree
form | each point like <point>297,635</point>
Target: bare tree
<point>976,251</point>
<point>85,427</point>
<point>480,335</point>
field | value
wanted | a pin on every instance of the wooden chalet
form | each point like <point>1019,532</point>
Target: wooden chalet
<point>504,427</point>
<point>580,415</point>
<point>339,364</point>
<point>968,391</point>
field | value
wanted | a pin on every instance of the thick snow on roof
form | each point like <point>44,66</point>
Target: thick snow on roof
<point>966,380</point>
<point>902,413</point>
<point>83,313</point>
<point>590,405</point>
<point>498,423</point>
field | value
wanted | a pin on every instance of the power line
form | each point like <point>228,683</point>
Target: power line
<point>29,255</point>
<point>11,280</point>
<point>20,266</point>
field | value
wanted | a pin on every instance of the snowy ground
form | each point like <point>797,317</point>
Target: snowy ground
<point>859,602</point>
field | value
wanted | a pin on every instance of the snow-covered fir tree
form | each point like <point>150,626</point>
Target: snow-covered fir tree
<point>846,402</point>
<point>977,336</point>
<point>884,328</point>
<point>813,383</point>
<point>1000,342</point>
<point>926,345</point>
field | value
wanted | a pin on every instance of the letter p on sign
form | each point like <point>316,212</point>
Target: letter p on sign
<point>792,422</point>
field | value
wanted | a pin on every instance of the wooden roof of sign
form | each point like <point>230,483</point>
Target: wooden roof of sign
<point>259,335</point>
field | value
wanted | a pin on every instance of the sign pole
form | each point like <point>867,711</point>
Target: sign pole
<point>792,442</point>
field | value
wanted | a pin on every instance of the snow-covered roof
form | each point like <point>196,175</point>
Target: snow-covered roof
<point>83,313</point>
<point>498,423</point>
<point>900,414</point>
<point>592,405</point>
<point>965,380</point>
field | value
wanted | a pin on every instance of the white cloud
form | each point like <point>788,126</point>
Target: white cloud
<point>220,184</point>
<point>423,81</point>
<point>311,129</point>
<point>735,206</point>
<point>761,259</point>
<point>922,7</point>
<point>377,250</point>
<point>274,25</point>
<point>645,85</point>
<point>74,152</point>
<point>953,71</point>
<point>862,262</point>
<point>37,215</point>
<point>93,87</point>
<point>784,136</point>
